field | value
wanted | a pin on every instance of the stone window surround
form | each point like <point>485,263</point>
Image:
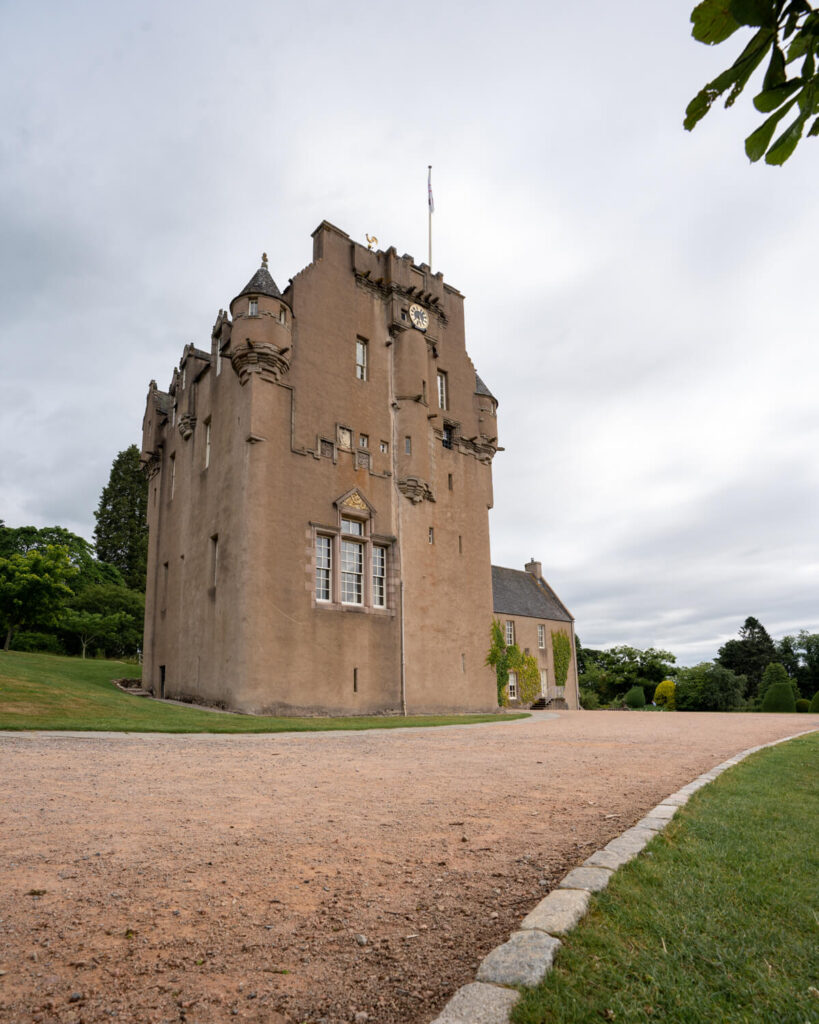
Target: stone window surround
<point>368,541</point>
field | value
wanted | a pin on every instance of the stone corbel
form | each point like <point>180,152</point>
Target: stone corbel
<point>268,361</point>
<point>186,424</point>
<point>415,489</point>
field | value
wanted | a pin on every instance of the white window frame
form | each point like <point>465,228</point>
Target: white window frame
<point>541,636</point>
<point>253,306</point>
<point>207,442</point>
<point>379,575</point>
<point>510,632</point>
<point>544,682</point>
<point>512,686</point>
<point>361,360</point>
<point>324,572</point>
<point>443,390</point>
<point>352,571</point>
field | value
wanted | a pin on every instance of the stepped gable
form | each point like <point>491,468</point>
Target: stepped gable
<point>516,592</point>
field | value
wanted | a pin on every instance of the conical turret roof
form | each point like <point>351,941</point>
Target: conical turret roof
<point>261,283</point>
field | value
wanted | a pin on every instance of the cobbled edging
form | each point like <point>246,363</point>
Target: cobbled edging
<point>527,957</point>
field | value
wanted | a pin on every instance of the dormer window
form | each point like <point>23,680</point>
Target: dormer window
<point>253,306</point>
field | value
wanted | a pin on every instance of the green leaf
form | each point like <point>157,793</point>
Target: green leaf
<point>775,75</point>
<point>814,128</point>
<point>786,143</point>
<point>754,12</point>
<point>758,141</point>
<point>770,99</point>
<point>736,76</point>
<point>749,60</point>
<point>713,21</point>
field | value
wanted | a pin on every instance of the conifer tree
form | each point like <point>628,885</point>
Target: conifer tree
<point>121,533</point>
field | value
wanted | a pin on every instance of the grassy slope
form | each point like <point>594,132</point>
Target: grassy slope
<point>43,691</point>
<point>718,923</point>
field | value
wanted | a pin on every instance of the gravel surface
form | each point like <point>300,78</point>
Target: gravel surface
<point>314,877</point>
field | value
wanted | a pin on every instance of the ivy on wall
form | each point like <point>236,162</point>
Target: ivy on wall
<point>511,659</point>
<point>562,650</point>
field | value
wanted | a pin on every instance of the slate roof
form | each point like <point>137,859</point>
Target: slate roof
<point>515,592</point>
<point>261,283</point>
<point>481,388</point>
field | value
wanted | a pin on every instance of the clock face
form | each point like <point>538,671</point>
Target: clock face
<point>419,317</point>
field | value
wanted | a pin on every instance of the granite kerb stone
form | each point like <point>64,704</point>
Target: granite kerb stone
<point>663,811</point>
<point>478,1003</point>
<point>592,879</point>
<point>524,960</point>
<point>558,912</point>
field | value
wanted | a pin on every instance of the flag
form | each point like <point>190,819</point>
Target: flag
<point>429,190</point>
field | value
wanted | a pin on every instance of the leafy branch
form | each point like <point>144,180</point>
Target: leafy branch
<point>788,31</point>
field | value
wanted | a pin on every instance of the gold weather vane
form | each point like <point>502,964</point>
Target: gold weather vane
<point>371,240</point>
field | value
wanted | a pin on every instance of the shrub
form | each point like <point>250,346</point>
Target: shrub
<point>779,697</point>
<point>34,642</point>
<point>588,700</point>
<point>814,704</point>
<point>775,673</point>
<point>664,695</point>
<point>635,698</point>
<point>802,705</point>
<point>708,687</point>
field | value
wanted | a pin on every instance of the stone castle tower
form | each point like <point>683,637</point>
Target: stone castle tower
<point>320,482</point>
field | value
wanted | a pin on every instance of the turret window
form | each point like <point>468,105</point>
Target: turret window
<point>253,306</point>
<point>443,391</point>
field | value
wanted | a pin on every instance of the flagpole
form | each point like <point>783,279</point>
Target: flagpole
<point>429,206</point>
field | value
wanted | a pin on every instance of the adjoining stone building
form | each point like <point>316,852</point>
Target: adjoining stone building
<point>531,614</point>
<point>319,487</point>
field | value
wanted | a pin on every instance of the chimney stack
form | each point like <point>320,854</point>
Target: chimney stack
<point>535,568</point>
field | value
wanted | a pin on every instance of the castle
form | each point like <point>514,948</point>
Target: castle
<point>319,487</point>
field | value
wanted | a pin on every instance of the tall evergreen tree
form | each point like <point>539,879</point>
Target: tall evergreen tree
<point>121,533</point>
<point>750,655</point>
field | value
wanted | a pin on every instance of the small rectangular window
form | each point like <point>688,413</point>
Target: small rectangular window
<point>460,545</point>
<point>512,686</point>
<point>354,526</point>
<point>541,637</point>
<point>352,572</point>
<point>384,447</point>
<point>432,535</point>
<point>173,475</point>
<point>363,440</point>
<point>379,577</point>
<point>463,663</point>
<point>214,558</point>
<point>355,680</point>
<point>253,307</point>
<point>408,445</point>
<point>449,481</point>
<point>361,359</point>
<point>447,436</point>
<point>282,315</point>
<point>443,396</point>
<point>510,632</point>
<point>218,360</point>
<point>207,442</point>
<point>324,564</point>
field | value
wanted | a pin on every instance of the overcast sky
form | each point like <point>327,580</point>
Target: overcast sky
<point>642,301</point>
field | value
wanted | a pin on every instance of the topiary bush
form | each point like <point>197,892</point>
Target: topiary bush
<point>664,695</point>
<point>779,697</point>
<point>814,704</point>
<point>635,698</point>
<point>775,673</point>
<point>803,706</point>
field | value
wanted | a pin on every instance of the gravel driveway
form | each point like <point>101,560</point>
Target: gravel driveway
<point>309,877</point>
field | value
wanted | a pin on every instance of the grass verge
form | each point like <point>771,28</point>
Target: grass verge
<point>716,921</point>
<point>45,691</point>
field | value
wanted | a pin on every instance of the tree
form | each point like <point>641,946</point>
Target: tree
<point>788,31</point>
<point>708,687</point>
<point>107,618</point>
<point>121,533</point>
<point>89,571</point>
<point>800,656</point>
<point>32,588</point>
<point>612,673</point>
<point>750,654</point>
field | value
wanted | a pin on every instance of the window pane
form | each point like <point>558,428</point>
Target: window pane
<point>442,395</point>
<point>353,526</point>
<point>510,633</point>
<point>361,359</point>
<point>352,572</point>
<point>324,547</point>
<point>379,576</point>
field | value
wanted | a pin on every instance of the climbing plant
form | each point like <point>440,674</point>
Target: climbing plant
<point>498,658</point>
<point>562,650</point>
<point>512,659</point>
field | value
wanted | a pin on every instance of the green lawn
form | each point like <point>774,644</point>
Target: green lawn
<point>43,691</point>
<point>716,921</point>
